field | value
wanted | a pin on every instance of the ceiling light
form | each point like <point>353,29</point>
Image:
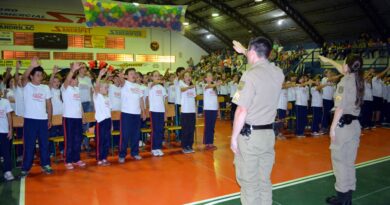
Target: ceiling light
<point>258,0</point>
<point>250,31</point>
<point>136,4</point>
<point>186,23</point>
<point>215,14</point>
<point>208,36</point>
<point>280,22</point>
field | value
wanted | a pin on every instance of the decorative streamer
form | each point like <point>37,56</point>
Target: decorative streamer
<point>132,15</point>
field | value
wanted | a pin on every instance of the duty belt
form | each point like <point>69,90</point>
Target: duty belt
<point>247,129</point>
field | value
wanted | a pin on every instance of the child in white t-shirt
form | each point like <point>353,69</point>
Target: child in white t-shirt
<point>56,101</point>
<point>72,119</point>
<point>188,113</point>
<point>6,136</point>
<point>301,104</point>
<point>157,102</point>
<point>103,118</point>
<point>210,110</point>
<point>316,105</point>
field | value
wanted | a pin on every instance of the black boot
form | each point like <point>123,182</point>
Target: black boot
<point>348,200</point>
<point>340,199</point>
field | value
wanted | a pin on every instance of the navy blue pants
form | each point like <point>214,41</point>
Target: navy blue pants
<point>317,117</point>
<point>116,126</point>
<point>187,129</point>
<point>200,106</point>
<point>5,151</point>
<point>177,117</point>
<point>291,113</point>
<point>56,131</point>
<point>366,114</point>
<point>34,129</point>
<point>157,124</point>
<point>326,116</point>
<point>210,118</point>
<point>103,136</point>
<point>73,136</point>
<point>301,113</point>
<point>130,130</point>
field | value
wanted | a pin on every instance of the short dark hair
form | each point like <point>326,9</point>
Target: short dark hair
<point>36,69</point>
<point>262,46</point>
<point>128,70</point>
<point>179,69</point>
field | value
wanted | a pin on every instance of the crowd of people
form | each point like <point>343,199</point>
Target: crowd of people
<point>37,96</point>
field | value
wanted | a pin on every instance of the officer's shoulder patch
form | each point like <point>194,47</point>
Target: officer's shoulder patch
<point>241,85</point>
<point>341,89</point>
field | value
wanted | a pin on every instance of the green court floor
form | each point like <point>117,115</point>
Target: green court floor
<point>373,188</point>
<point>9,192</point>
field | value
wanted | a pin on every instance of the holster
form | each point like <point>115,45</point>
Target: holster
<point>346,120</point>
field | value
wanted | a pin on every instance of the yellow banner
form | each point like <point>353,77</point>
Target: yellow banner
<point>71,29</point>
<point>12,63</point>
<point>98,41</point>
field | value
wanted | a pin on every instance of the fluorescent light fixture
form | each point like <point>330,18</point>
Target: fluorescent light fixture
<point>280,22</point>
<point>186,23</point>
<point>258,0</point>
<point>208,36</point>
<point>215,14</point>
<point>136,4</point>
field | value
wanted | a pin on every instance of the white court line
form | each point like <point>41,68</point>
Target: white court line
<point>22,190</point>
<point>288,183</point>
<point>370,193</point>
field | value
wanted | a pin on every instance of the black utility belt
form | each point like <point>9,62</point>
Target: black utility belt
<point>346,119</point>
<point>247,129</point>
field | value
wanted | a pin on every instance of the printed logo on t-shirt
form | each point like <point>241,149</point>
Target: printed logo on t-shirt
<point>212,92</point>
<point>76,96</point>
<point>159,92</point>
<point>117,94</point>
<point>136,90</point>
<point>38,97</point>
<point>2,113</point>
<point>191,93</point>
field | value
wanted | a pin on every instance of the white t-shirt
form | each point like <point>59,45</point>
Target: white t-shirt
<point>145,92</point>
<point>85,86</point>
<point>316,97</point>
<point>114,94</point>
<point>5,108</point>
<point>177,91</point>
<point>131,94</point>
<point>72,102</point>
<point>157,95</point>
<point>35,97</point>
<point>327,91</point>
<point>56,101</point>
<point>210,99</point>
<point>187,99</point>
<point>233,88</point>
<point>377,87</point>
<point>291,94</point>
<point>199,88</point>
<point>367,92</point>
<point>283,100</point>
<point>19,101</point>
<point>10,94</point>
<point>302,96</point>
<point>102,107</point>
<point>223,89</point>
<point>171,92</point>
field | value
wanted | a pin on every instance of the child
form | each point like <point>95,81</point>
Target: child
<point>132,107</point>
<point>301,103</point>
<point>114,94</point>
<point>72,119</point>
<point>6,136</point>
<point>37,118</point>
<point>157,100</point>
<point>316,104</point>
<point>291,95</point>
<point>210,111</point>
<point>171,89</point>
<point>366,113</point>
<point>56,101</point>
<point>188,113</point>
<point>199,91</point>
<point>103,119</point>
<point>233,88</point>
<point>281,111</point>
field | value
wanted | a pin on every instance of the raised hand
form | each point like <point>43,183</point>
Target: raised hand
<point>324,59</point>
<point>55,69</point>
<point>35,62</point>
<point>239,47</point>
<point>102,72</point>
<point>18,65</point>
<point>75,66</point>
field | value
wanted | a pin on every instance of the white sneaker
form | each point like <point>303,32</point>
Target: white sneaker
<point>8,176</point>
<point>141,143</point>
<point>155,153</point>
<point>160,152</point>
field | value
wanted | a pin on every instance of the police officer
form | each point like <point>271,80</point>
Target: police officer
<point>345,129</point>
<point>253,138</point>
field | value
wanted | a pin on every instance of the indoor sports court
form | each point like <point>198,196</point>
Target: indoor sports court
<point>198,102</point>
